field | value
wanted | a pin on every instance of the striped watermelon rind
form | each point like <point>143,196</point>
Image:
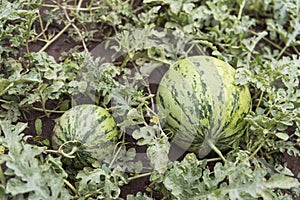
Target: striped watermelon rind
<point>89,128</point>
<point>202,102</point>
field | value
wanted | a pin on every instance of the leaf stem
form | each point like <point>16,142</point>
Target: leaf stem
<point>260,100</point>
<point>296,50</point>
<point>209,160</point>
<point>43,102</point>
<point>28,34</point>
<point>140,176</point>
<point>282,51</point>
<point>2,177</point>
<point>55,38</point>
<point>215,149</point>
<point>86,196</point>
<point>72,7</point>
<point>43,29</point>
<point>75,27</point>
<point>115,157</point>
<point>79,6</point>
<point>6,88</point>
<point>161,61</point>
<point>136,177</point>
<point>71,187</point>
<point>48,111</point>
<point>271,42</point>
<point>256,150</point>
<point>4,101</point>
<point>241,10</point>
<point>200,49</point>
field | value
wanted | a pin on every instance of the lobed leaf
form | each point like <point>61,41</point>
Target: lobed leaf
<point>31,176</point>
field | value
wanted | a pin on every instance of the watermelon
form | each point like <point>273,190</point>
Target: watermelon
<point>88,128</point>
<point>203,106</point>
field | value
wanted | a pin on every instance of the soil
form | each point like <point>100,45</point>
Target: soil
<point>64,44</point>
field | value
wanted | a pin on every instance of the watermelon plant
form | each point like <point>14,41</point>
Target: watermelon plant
<point>87,133</point>
<point>203,105</point>
<point>112,54</point>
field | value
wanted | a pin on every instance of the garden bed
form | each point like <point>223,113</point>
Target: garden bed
<point>58,54</point>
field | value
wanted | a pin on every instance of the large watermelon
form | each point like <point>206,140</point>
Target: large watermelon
<point>89,128</point>
<point>202,104</point>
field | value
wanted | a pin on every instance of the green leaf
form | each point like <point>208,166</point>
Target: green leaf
<point>158,147</point>
<point>145,135</point>
<point>12,11</point>
<point>138,196</point>
<point>158,154</point>
<point>282,181</point>
<point>282,136</point>
<point>251,43</point>
<point>100,182</point>
<point>183,180</point>
<point>2,192</point>
<point>38,126</point>
<point>235,179</point>
<point>29,174</point>
<point>125,159</point>
<point>4,86</point>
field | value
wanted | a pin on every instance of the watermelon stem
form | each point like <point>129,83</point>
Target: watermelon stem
<point>215,149</point>
<point>48,111</point>
<point>161,60</point>
<point>140,176</point>
<point>69,154</point>
<point>61,152</point>
<point>256,150</point>
<point>70,186</point>
<point>115,155</point>
<point>260,100</point>
<point>2,177</point>
<point>121,183</point>
<point>209,160</point>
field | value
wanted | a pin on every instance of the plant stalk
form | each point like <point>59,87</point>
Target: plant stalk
<point>48,111</point>
<point>2,177</point>
<point>55,38</point>
<point>71,186</point>
<point>215,149</point>
<point>75,27</point>
<point>256,151</point>
<point>139,176</point>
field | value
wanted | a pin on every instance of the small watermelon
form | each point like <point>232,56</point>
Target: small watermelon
<point>202,104</point>
<point>89,128</point>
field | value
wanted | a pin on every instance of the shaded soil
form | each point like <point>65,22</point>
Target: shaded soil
<point>293,163</point>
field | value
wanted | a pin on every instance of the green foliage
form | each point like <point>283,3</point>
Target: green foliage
<point>28,173</point>
<point>100,183</point>
<point>16,26</point>
<point>261,39</point>
<point>158,146</point>
<point>138,196</point>
<point>125,159</point>
<point>277,106</point>
<point>190,179</point>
